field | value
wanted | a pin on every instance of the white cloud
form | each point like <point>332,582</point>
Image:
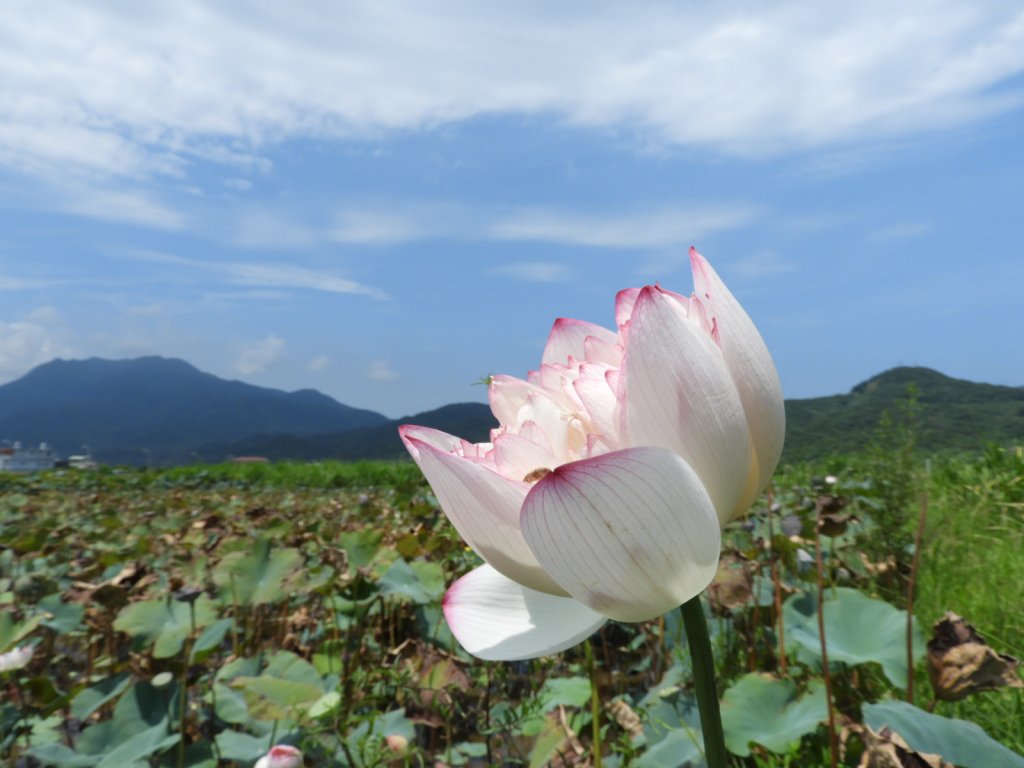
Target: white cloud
<point>901,231</point>
<point>761,264</point>
<point>259,356</point>
<point>31,341</point>
<point>131,91</point>
<point>129,206</point>
<point>239,185</point>
<point>534,271</point>
<point>659,225</point>
<point>381,370</point>
<point>262,227</point>
<point>678,225</point>
<point>272,276</point>
<point>145,310</point>
<point>319,363</point>
<point>291,276</point>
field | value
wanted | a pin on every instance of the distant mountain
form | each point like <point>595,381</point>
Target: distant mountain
<point>166,411</point>
<point>156,409</point>
<point>470,421</point>
<point>954,415</point>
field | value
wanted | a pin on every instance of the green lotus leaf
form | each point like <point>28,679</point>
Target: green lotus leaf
<point>165,623</point>
<point>858,630</point>
<point>266,575</point>
<point>957,741</point>
<point>761,709</point>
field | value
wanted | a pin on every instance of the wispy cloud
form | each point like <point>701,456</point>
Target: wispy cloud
<point>663,226</point>
<point>37,338</point>
<point>762,264</point>
<point>109,91</point>
<point>259,356</point>
<point>901,231</point>
<point>381,370</point>
<point>534,271</point>
<point>319,363</point>
<point>262,275</point>
<point>291,276</point>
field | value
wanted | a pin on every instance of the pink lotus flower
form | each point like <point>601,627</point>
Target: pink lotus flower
<point>280,756</point>
<point>602,492</point>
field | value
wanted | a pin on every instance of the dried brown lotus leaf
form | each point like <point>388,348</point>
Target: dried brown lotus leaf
<point>960,662</point>
<point>886,749</point>
<point>733,584</point>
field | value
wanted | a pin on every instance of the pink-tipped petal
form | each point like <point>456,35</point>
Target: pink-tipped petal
<point>597,351</point>
<point>567,339</point>
<point>677,393</point>
<point>624,301</point>
<point>508,395</point>
<point>631,534</point>
<point>484,508</point>
<point>280,756</point>
<point>750,365</point>
<point>598,399</point>
<point>496,619</point>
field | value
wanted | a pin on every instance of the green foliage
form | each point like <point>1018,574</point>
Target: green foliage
<point>315,619</point>
<point>893,468</point>
<point>165,624</point>
<point>858,630</point>
<point>958,741</point>
<point>759,709</point>
<point>260,577</point>
<point>954,417</point>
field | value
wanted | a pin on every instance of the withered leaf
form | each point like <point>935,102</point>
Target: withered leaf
<point>733,583</point>
<point>883,749</point>
<point>960,662</point>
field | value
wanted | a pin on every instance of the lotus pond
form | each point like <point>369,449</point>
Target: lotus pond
<point>193,617</point>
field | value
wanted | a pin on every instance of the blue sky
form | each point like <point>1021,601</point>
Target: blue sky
<point>387,202</point>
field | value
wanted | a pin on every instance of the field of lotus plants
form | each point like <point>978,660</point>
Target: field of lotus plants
<point>199,616</point>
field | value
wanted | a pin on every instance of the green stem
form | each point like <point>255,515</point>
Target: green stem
<point>595,707</point>
<point>704,682</point>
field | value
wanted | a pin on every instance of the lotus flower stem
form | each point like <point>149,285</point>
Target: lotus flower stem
<point>595,707</point>
<point>911,587</point>
<point>704,682</point>
<point>833,742</point>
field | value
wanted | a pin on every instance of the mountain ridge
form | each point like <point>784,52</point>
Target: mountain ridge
<point>165,410</point>
<point>155,409</point>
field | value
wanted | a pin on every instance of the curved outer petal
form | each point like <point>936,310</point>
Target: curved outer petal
<point>499,620</point>
<point>678,394</point>
<point>750,365</point>
<point>482,505</point>
<point>631,534</point>
<point>567,339</point>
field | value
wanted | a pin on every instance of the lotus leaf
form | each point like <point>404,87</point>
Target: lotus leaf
<point>958,741</point>
<point>858,630</point>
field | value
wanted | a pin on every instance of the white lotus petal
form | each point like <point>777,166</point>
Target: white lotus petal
<point>499,620</point>
<point>598,399</point>
<point>624,301</point>
<point>678,394</point>
<point>482,505</point>
<point>598,351</point>
<point>567,339</point>
<point>631,534</point>
<point>508,395</point>
<point>517,456</point>
<point>750,365</point>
